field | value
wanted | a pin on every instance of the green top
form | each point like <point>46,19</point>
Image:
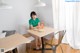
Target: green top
<point>33,22</point>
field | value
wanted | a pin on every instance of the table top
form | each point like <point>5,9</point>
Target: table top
<point>46,31</point>
<point>11,42</point>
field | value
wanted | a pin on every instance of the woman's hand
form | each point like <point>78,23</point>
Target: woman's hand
<point>40,25</point>
<point>31,27</point>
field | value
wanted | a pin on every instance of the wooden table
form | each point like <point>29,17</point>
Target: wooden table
<point>45,32</point>
<point>11,42</point>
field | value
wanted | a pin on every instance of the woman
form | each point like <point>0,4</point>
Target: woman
<point>34,22</point>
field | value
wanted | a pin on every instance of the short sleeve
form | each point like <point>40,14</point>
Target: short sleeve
<point>30,23</point>
<point>38,20</point>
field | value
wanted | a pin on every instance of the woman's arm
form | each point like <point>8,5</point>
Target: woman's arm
<point>38,26</point>
<point>31,27</point>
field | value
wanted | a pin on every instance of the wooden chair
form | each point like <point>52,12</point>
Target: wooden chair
<point>54,46</point>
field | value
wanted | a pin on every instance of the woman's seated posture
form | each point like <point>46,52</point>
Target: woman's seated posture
<point>34,22</point>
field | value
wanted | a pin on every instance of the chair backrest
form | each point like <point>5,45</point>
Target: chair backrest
<point>2,35</point>
<point>61,35</point>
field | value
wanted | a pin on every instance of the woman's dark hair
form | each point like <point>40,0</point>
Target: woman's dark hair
<point>33,13</point>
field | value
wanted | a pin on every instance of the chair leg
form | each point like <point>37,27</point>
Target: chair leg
<point>54,49</point>
<point>30,48</point>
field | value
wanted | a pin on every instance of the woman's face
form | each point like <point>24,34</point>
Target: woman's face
<point>34,16</point>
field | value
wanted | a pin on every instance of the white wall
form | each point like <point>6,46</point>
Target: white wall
<point>19,15</point>
<point>46,13</point>
<point>16,17</point>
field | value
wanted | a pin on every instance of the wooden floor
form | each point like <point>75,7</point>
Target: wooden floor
<point>66,49</point>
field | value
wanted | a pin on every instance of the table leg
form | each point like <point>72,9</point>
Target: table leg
<point>15,50</point>
<point>42,45</point>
